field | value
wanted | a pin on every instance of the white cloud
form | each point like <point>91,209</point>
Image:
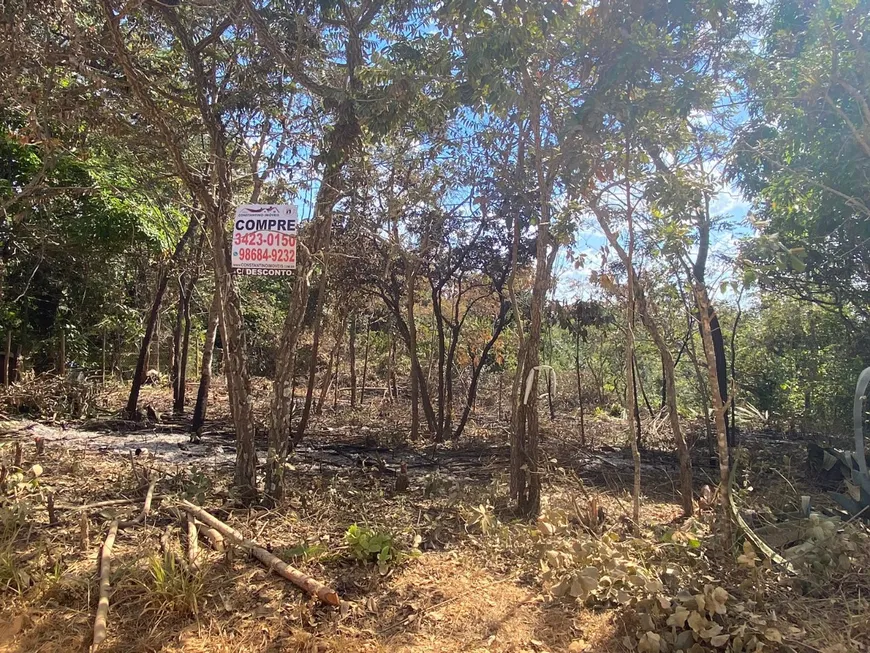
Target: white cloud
<point>730,202</point>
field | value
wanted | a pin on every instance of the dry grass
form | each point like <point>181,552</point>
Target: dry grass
<point>472,589</point>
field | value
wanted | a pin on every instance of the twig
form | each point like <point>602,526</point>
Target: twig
<point>857,514</point>
<point>105,572</point>
<point>310,585</point>
<point>104,504</point>
<point>192,541</point>
<point>146,509</point>
<point>763,546</point>
<point>52,513</point>
<point>84,535</point>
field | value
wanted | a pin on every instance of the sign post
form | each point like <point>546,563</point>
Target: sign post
<point>264,240</point>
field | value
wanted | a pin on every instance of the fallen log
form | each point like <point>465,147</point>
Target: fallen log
<point>105,571</point>
<point>213,536</point>
<point>303,581</point>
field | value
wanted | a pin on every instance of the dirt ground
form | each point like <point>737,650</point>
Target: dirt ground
<point>467,576</point>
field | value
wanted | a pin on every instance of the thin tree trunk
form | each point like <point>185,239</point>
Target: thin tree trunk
<point>362,394</point>
<point>500,393</point>
<point>629,345</point>
<point>332,365</point>
<point>351,355</point>
<point>200,410</point>
<point>157,344</point>
<point>517,479</point>
<point>415,406</point>
<point>61,354</point>
<point>525,470</point>
<point>315,350</point>
<point>151,325</point>
<point>579,387</point>
<point>7,362</point>
<point>175,361</point>
<point>550,396</point>
<point>719,408</point>
<point>703,392</point>
<point>144,349</point>
<point>500,323</point>
<point>178,408</point>
<point>392,390</point>
<point>668,367</point>
<point>103,366</point>
<point>635,410</point>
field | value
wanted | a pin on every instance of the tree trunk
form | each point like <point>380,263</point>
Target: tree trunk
<point>351,355</point>
<point>500,393</point>
<point>525,471</point>
<point>7,362</point>
<point>719,408</point>
<point>315,350</point>
<point>215,196</point>
<point>181,377</point>
<point>500,323</point>
<point>103,364</point>
<point>362,394</point>
<point>635,408</point>
<point>175,369</point>
<point>630,388</point>
<point>153,316</point>
<point>703,392</point>
<point>392,389</point>
<point>579,387</point>
<point>144,349</point>
<point>668,367</point>
<point>415,406</point>
<point>550,396</point>
<point>332,365</point>
<point>61,352</point>
<point>201,408</point>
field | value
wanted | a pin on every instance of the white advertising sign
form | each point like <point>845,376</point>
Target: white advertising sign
<point>264,240</point>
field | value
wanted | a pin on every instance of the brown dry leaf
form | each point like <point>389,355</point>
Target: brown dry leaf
<point>773,635</point>
<point>650,643</point>
<point>711,632</point>
<point>678,619</point>
<point>717,599</point>
<point>697,622</point>
<point>720,640</point>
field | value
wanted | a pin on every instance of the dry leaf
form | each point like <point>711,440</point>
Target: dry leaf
<point>678,619</point>
<point>697,622</point>
<point>650,643</point>
<point>720,640</point>
<point>773,635</point>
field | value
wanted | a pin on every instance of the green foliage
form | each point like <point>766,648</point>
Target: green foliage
<point>803,156</point>
<point>796,363</point>
<point>194,484</point>
<point>373,546</point>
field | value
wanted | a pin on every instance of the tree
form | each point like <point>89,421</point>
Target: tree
<point>803,156</point>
